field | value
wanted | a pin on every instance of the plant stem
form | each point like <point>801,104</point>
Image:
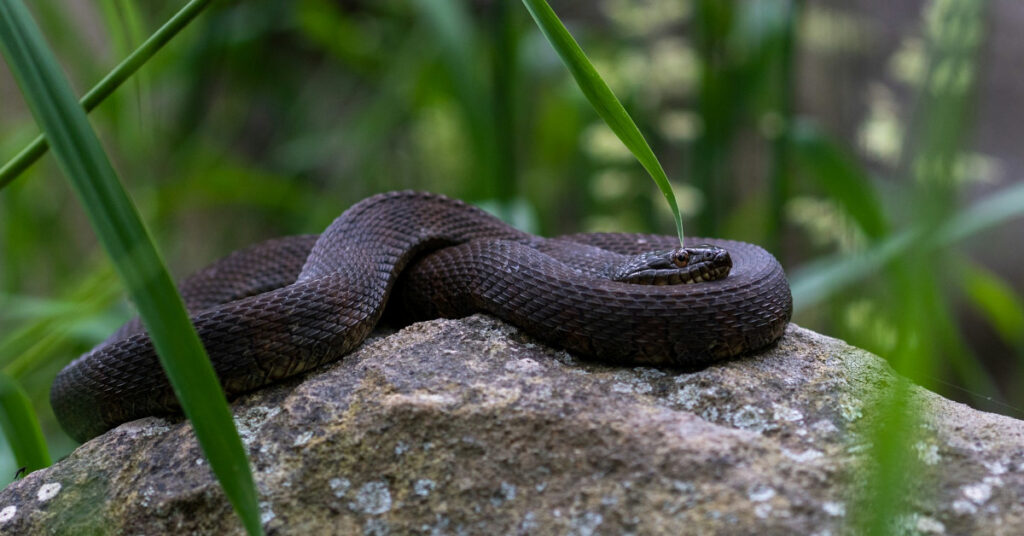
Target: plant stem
<point>108,85</point>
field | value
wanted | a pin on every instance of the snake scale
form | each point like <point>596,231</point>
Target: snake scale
<point>288,305</point>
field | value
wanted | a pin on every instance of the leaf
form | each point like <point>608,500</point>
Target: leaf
<point>21,427</point>
<point>995,209</point>
<point>602,99</point>
<point>127,242</point>
<point>996,300</point>
<point>840,177</point>
<point>11,170</point>
<point>453,31</point>
<point>48,326</point>
<point>821,279</point>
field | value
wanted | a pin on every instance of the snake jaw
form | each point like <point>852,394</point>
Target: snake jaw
<point>694,264</point>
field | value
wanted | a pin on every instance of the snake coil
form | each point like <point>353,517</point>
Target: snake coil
<point>285,306</point>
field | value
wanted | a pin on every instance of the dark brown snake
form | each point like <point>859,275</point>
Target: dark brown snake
<point>288,305</point>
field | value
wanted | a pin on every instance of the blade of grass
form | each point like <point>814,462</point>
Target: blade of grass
<point>504,76</point>
<point>996,300</point>
<point>821,279</point>
<point>977,382</point>
<point>602,99</point>
<point>24,347</point>
<point>782,146</point>
<point>105,87</point>
<point>994,209</point>
<point>453,30</point>
<point>719,101</point>
<point>21,427</point>
<point>841,178</point>
<point>125,24</point>
<point>952,30</point>
<point>124,237</point>
<point>818,280</point>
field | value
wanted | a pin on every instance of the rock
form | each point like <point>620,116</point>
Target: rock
<point>470,427</point>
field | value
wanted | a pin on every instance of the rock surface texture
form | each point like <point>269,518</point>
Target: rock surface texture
<point>470,427</point>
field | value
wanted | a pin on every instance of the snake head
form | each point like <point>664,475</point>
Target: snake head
<point>692,264</point>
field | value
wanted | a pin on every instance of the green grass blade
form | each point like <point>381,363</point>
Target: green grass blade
<point>815,282</point>
<point>781,180</point>
<point>819,280</point>
<point>996,300</point>
<point>723,93</point>
<point>504,76</point>
<point>20,426</point>
<point>955,29</point>
<point>35,150</point>
<point>49,326</point>
<point>994,209</point>
<point>980,385</point>
<point>602,99</point>
<point>453,29</point>
<point>123,236</point>
<point>840,177</point>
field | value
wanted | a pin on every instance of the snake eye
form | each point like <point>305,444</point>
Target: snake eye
<point>681,258</point>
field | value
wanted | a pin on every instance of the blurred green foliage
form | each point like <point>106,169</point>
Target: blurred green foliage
<point>129,246</point>
<point>270,117</point>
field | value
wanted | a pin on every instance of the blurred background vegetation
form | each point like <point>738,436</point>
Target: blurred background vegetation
<point>874,147</point>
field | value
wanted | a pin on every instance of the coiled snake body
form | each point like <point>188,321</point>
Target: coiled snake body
<point>291,304</point>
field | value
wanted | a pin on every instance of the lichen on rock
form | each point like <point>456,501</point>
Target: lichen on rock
<point>470,426</point>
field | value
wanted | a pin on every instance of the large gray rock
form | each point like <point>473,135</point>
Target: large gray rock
<point>469,427</point>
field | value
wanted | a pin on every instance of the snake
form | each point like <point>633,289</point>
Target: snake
<point>288,305</point>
